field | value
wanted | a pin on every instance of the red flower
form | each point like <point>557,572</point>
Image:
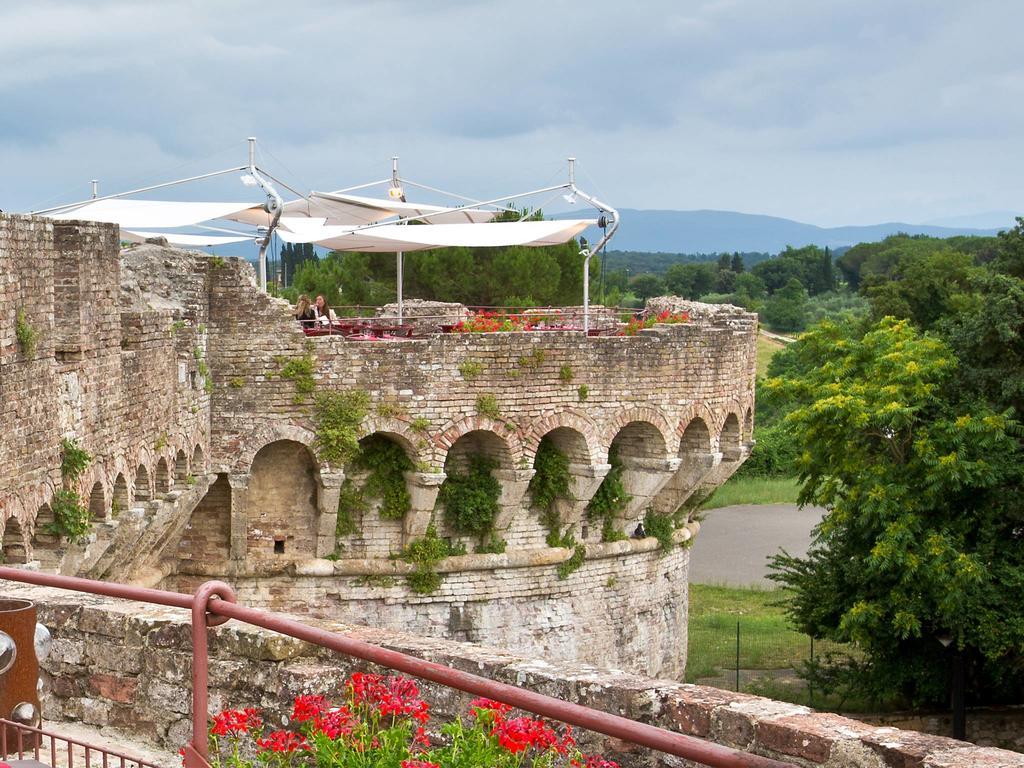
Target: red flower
<point>418,764</point>
<point>395,696</point>
<point>334,723</point>
<point>517,734</point>
<point>420,738</point>
<point>283,741</point>
<point>483,706</point>
<point>308,707</point>
<point>234,721</point>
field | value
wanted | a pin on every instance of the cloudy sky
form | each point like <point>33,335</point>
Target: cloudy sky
<point>843,112</point>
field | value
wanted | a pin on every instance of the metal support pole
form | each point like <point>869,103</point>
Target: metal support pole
<point>95,188</point>
<point>399,267</point>
<point>273,206</point>
<point>959,709</point>
<point>202,619</point>
<point>586,290</point>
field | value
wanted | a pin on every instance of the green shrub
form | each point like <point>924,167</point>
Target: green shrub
<point>351,502</point>
<point>774,454</point>
<point>73,461</point>
<point>549,483</point>
<point>300,371</point>
<point>420,424</point>
<point>25,334</point>
<point>565,373</point>
<point>573,564</point>
<point>610,499</point>
<point>487,405</point>
<point>470,369</point>
<point>471,499</point>
<point>424,554</point>
<point>660,527</point>
<point>386,462</point>
<point>338,416</point>
<point>70,517</point>
<point>583,392</point>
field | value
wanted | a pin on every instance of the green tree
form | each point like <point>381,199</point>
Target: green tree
<point>923,537</point>
<point>737,263</point>
<point>786,309</point>
<point>690,280</point>
<point>647,285</point>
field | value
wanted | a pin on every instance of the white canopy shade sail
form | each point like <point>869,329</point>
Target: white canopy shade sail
<point>154,214</point>
<point>191,241</point>
<point>354,209</point>
<point>395,237</point>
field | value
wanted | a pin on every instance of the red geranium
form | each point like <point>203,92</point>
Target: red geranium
<point>283,741</point>
<point>308,707</point>
<point>236,721</point>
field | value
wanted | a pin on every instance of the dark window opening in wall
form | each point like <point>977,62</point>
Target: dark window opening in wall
<point>279,546</point>
<point>584,531</point>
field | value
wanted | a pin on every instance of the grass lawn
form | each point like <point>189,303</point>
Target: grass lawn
<point>766,349</point>
<point>770,650</point>
<point>766,639</point>
<point>753,490</point>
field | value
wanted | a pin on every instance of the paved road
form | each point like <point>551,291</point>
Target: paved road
<point>734,543</point>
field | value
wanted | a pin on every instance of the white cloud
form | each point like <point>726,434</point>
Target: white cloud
<point>839,112</point>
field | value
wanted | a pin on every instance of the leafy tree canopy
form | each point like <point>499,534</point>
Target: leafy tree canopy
<point>925,532</point>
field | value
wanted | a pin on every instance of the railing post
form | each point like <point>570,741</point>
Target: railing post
<point>196,752</point>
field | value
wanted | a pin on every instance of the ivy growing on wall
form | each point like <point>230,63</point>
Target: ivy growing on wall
<point>70,517</point>
<point>386,462</point>
<point>660,527</point>
<point>337,416</point>
<point>471,499</point>
<point>610,499</point>
<point>25,334</point>
<point>300,371</point>
<point>550,483</point>
<point>424,554</point>
<point>351,503</point>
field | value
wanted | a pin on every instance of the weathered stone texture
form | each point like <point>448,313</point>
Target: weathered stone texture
<point>127,664</point>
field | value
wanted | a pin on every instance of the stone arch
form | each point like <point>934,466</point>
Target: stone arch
<point>574,422</point>
<point>263,436</point>
<point>98,501</point>
<point>119,500</point>
<point>639,440</point>
<point>143,487</point>
<point>283,501</point>
<point>729,438</point>
<point>15,548</point>
<point>198,460</point>
<point>397,431</point>
<point>162,477</point>
<point>181,469</point>
<point>455,431</point>
<point>696,438</point>
<point>651,416</point>
<point>44,540</point>
<point>478,442</point>
<point>570,442</point>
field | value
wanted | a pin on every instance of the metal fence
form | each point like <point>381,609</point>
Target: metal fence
<point>742,655</point>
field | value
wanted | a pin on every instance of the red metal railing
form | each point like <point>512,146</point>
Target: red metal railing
<point>76,752</point>
<point>214,603</point>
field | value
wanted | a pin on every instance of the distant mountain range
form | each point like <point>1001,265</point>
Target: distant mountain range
<point>717,231</point>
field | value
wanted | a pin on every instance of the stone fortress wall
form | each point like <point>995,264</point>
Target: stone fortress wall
<point>168,367</point>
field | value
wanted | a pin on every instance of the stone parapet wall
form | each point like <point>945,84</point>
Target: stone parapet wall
<point>127,665</point>
<point>626,606</point>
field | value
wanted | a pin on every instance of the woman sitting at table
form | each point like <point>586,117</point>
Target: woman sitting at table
<point>304,312</point>
<point>322,312</point>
